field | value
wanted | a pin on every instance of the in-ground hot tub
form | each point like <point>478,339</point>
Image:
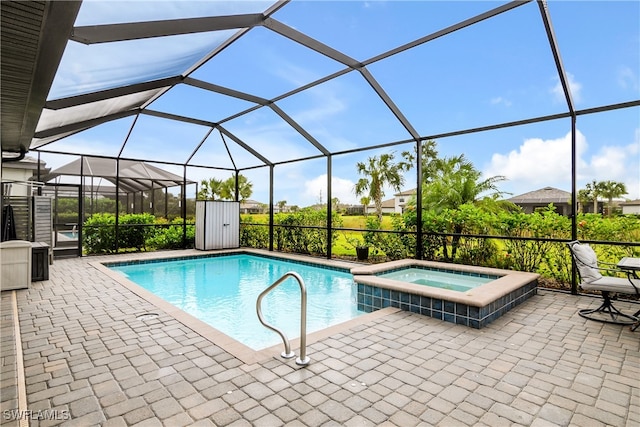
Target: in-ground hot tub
<point>476,306</point>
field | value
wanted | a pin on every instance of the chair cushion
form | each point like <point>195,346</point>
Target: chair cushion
<point>586,262</point>
<point>611,284</point>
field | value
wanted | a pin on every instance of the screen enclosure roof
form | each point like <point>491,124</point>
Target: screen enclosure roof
<point>238,85</point>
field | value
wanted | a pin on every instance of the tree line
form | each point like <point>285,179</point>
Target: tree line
<point>451,182</point>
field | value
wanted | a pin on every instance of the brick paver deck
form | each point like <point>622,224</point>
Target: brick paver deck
<point>89,360</point>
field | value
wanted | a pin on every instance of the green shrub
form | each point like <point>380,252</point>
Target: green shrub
<point>254,236</point>
<point>99,234</point>
<point>294,236</point>
<point>135,232</point>
<point>169,236</point>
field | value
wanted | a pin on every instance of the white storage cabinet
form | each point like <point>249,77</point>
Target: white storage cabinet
<point>217,225</point>
<point>15,259</point>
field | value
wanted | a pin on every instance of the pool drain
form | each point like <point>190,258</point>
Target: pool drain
<point>147,316</point>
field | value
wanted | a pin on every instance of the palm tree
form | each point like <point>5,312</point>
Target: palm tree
<point>335,204</point>
<point>456,182</point>
<point>211,189</point>
<point>584,197</point>
<point>592,189</point>
<point>380,171</point>
<point>281,204</point>
<point>428,158</point>
<point>245,188</point>
<point>364,201</point>
<point>611,190</point>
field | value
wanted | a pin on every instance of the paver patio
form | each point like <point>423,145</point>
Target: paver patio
<point>89,360</point>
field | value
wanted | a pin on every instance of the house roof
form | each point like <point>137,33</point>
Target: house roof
<point>630,203</point>
<point>407,192</point>
<point>250,202</point>
<point>544,195</point>
<point>390,203</point>
<point>28,162</point>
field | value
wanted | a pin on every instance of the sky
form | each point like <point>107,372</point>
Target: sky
<point>499,70</point>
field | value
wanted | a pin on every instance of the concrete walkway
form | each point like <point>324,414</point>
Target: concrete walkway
<point>90,360</point>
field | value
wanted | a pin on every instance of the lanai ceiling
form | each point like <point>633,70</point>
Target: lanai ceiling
<point>113,73</point>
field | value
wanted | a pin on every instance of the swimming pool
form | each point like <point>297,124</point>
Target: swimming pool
<point>73,235</point>
<point>222,291</point>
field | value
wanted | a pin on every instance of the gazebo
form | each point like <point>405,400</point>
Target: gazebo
<point>127,178</point>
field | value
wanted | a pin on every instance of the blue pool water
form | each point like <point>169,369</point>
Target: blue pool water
<point>222,291</point>
<point>439,279</point>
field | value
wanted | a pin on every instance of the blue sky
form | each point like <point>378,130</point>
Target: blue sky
<point>498,70</point>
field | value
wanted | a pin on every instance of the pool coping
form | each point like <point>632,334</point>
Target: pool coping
<point>508,281</point>
<point>242,352</point>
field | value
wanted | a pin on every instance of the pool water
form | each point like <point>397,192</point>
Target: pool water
<point>438,279</point>
<point>222,291</point>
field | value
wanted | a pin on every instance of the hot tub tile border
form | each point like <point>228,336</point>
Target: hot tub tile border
<point>371,298</point>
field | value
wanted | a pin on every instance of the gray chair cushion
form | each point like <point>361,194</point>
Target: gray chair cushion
<point>586,262</point>
<point>611,284</point>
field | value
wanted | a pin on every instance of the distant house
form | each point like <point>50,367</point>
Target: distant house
<point>402,198</point>
<point>395,205</point>
<point>630,207</point>
<point>18,177</point>
<point>541,198</point>
<point>249,206</point>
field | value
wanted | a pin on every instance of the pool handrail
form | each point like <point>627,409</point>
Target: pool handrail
<point>303,360</point>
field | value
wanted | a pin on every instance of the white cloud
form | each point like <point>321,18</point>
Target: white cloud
<point>627,79</point>
<point>618,163</point>
<point>341,188</point>
<point>498,100</point>
<point>538,163</point>
<point>574,87</point>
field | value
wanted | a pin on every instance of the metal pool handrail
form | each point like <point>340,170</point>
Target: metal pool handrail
<point>287,353</point>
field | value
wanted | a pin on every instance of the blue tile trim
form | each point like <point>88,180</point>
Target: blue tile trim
<point>371,298</point>
<point>216,255</point>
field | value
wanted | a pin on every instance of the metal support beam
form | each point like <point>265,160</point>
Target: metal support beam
<point>233,163</point>
<point>574,202</point>
<point>178,118</point>
<point>195,150</point>
<point>546,19</point>
<point>271,208</point>
<point>310,43</point>
<point>224,91</point>
<point>92,34</point>
<point>83,125</point>
<point>419,236</point>
<point>87,98</point>
<point>117,225</point>
<point>299,128</point>
<point>81,208</point>
<point>389,103</point>
<point>184,206</point>
<point>450,29</point>
<point>329,208</point>
<point>245,146</point>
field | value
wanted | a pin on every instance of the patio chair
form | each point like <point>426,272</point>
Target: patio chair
<point>591,280</point>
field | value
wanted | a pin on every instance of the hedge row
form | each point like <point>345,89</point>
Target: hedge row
<point>136,232</point>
